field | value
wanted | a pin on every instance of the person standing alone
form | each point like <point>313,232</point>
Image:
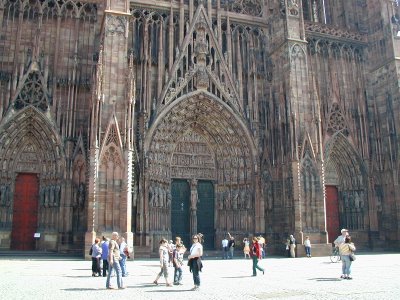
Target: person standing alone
<point>307,246</point>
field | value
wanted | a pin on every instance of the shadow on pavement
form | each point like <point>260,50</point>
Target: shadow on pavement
<point>325,279</point>
<point>81,289</point>
<point>232,277</point>
<point>168,290</point>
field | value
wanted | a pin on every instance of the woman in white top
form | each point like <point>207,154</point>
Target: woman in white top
<point>195,265</point>
<point>164,258</point>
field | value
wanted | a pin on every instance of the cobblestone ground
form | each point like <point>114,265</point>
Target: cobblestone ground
<point>375,276</point>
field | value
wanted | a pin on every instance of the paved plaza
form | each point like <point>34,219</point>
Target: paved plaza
<point>375,276</point>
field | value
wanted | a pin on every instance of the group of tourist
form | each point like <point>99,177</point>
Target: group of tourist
<point>174,252</point>
<point>228,247</point>
<point>109,257</point>
<point>113,253</point>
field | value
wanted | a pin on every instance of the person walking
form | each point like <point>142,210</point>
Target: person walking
<point>292,246</point>
<point>307,246</point>
<point>96,256</point>
<point>255,253</point>
<point>113,262</point>
<point>164,259</point>
<point>225,248</point>
<point>345,249</point>
<point>246,249</point>
<point>104,255</point>
<point>194,263</point>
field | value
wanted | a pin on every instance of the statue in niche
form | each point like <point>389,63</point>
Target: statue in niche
<point>235,199</point>
<point>51,195</point>
<point>362,202</point>
<point>3,195</point>
<point>351,201</point>
<point>81,195</point>
<point>220,200</point>
<point>225,199</point>
<point>193,199</point>
<point>57,195</point>
<point>378,201</point>
<point>157,196</point>
<point>242,199</point>
<point>154,196</point>
<point>248,198</point>
<point>193,194</point>
<point>151,195</point>
<point>169,198</point>
<point>164,196</point>
<point>345,200</point>
<point>356,200</point>
<point>42,196</point>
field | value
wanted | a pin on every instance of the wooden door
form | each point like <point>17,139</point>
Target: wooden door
<point>25,212</point>
<point>180,210</point>
<point>332,212</point>
<point>205,213</point>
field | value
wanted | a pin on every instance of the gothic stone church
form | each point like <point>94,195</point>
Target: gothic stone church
<point>171,117</point>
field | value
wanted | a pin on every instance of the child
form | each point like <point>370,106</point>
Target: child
<point>178,263</point>
<point>307,245</point>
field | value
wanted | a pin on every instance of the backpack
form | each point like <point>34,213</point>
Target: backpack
<point>91,250</point>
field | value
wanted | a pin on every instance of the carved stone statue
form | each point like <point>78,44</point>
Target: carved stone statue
<point>81,195</point>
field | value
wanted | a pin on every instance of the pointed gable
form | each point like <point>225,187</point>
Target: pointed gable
<point>32,90</point>
<point>200,65</point>
<point>112,143</point>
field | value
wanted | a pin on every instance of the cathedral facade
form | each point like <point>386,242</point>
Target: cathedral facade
<point>172,117</point>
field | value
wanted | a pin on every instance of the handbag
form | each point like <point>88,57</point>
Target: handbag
<point>352,256</point>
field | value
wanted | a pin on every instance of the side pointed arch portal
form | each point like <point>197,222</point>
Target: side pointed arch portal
<point>346,183</point>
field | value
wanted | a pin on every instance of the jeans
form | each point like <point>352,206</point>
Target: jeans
<point>256,266</point>
<point>225,253</point>
<point>308,251</point>
<point>105,267</point>
<point>122,263</point>
<point>346,264</point>
<point>231,252</point>
<point>178,275</point>
<point>195,272</point>
<point>117,268</point>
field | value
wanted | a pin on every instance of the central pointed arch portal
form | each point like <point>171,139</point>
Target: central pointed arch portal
<point>201,174</point>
